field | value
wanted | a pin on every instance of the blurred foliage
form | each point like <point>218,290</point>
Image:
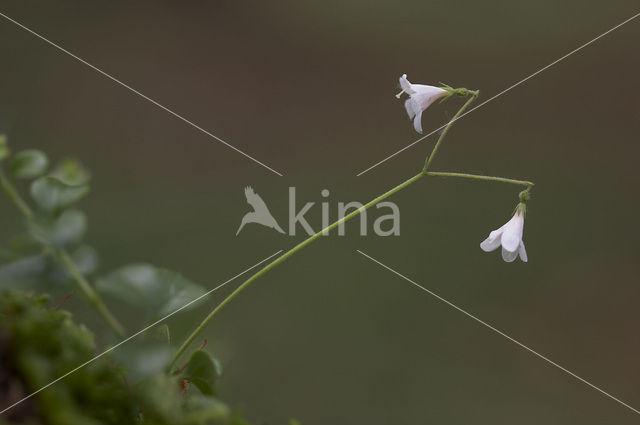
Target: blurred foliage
<point>4,148</point>
<point>52,194</point>
<point>39,344</point>
<point>203,371</point>
<point>28,164</point>
<point>71,172</point>
<point>30,259</point>
<point>157,291</point>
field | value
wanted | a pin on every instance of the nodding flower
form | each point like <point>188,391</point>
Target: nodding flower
<point>420,98</point>
<point>509,236</point>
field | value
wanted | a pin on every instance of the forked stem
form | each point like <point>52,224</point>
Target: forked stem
<point>282,258</point>
<point>474,95</point>
<point>310,239</point>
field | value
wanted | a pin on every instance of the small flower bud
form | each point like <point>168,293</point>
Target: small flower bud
<point>525,195</point>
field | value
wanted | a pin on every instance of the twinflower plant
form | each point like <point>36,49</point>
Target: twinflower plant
<point>421,96</point>
<point>148,383</point>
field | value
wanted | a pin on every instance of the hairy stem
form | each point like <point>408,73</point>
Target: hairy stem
<point>64,258</point>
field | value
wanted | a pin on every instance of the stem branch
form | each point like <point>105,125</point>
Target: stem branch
<point>474,95</point>
<point>480,177</point>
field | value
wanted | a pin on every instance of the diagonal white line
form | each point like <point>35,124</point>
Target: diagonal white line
<point>499,332</point>
<point>131,89</point>
<point>501,93</point>
<point>135,334</point>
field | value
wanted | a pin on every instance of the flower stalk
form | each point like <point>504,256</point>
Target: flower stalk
<point>411,90</point>
<point>282,258</point>
<point>486,178</point>
<point>474,95</point>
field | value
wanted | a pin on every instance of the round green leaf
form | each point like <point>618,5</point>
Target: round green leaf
<point>202,371</point>
<point>158,291</point>
<point>52,194</point>
<point>144,358</point>
<point>29,164</point>
<point>23,273</point>
<point>63,231</point>
<point>71,172</point>
<point>201,410</point>
<point>86,259</point>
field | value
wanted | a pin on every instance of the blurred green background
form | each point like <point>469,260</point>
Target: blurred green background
<point>308,88</point>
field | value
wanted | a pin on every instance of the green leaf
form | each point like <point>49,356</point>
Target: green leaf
<point>158,291</point>
<point>71,172</point>
<point>29,164</point>
<point>52,194</point>
<point>20,246</point>
<point>203,371</point>
<point>202,410</point>
<point>63,231</point>
<point>159,398</point>
<point>24,273</point>
<point>4,147</point>
<point>143,359</point>
<point>86,259</point>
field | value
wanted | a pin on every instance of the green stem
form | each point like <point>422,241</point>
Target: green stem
<point>282,258</point>
<point>307,241</point>
<point>474,95</point>
<point>480,177</point>
<point>89,292</point>
<point>64,258</point>
<point>13,195</point>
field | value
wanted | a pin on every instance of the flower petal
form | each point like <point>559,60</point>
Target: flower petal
<point>408,105</point>
<point>425,95</point>
<point>417,121</point>
<point>513,233</point>
<point>510,241</point>
<point>522,252</point>
<point>509,256</point>
<point>492,242</point>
